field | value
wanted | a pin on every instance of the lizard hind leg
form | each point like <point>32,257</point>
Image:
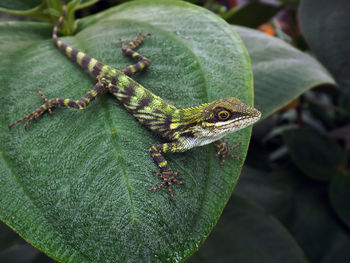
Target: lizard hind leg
<point>129,50</point>
<point>35,114</point>
<point>49,104</point>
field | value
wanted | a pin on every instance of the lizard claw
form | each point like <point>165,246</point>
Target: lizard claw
<point>169,178</point>
<point>223,150</point>
<point>35,114</point>
<point>141,37</point>
<point>138,40</point>
<point>29,118</point>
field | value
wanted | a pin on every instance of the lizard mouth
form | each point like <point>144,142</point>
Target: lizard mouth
<point>238,123</point>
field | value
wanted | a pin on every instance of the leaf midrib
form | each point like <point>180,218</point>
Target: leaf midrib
<point>119,157</point>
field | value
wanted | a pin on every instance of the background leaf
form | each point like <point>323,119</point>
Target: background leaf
<point>274,192</point>
<point>7,237</point>
<point>307,214</point>
<point>75,184</point>
<point>86,3</point>
<point>251,14</point>
<point>246,233</point>
<point>326,28</point>
<point>23,253</point>
<point>281,72</point>
<point>313,220</point>
<point>340,196</point>
<point>47,11</point>
<point>19,4</point>
<point>315,154</point>
<point>27,10</point>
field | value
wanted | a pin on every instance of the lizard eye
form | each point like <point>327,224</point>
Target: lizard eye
<point>223,115</point>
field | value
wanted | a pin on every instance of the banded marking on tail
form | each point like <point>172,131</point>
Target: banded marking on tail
<point>88,63</point>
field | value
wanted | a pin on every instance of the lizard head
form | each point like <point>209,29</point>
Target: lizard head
<point>211,121</point>
<point>227,115</point>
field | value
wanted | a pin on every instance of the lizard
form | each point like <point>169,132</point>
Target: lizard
<point>182,128</point>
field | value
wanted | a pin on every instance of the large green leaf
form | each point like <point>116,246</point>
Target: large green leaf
<point>326,27</point>
<point>246,233</point>
<point>281,72</point>
<point>75,184</point>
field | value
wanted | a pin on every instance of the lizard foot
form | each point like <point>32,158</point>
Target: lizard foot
<point>35,114</point>
<point>223,150</point>
<point>169,178</point>
<point>138,40</point>
<point>139,37</point>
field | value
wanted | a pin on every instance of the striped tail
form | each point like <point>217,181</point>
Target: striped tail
<point>88,63</point>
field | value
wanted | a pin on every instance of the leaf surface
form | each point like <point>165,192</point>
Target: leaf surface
<point>75,184</point>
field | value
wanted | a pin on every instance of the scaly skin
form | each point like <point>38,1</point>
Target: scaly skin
<point>183,128</point>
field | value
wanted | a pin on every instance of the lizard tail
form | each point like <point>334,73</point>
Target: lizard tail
<point>58,23</point>
<point>88,63</point>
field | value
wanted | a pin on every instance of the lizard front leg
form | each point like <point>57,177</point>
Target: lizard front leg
<point>166,173</point>
<point>223,150</point>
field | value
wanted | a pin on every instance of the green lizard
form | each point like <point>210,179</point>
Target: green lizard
<point>183,128</point>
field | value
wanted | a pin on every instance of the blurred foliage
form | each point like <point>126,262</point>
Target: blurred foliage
<point>277,86</point>
<point>321,158</point>
<point>251,14</point>
<point>46,11</point>
<point>327,32</point>
<point>291,203</point>
<point>7,237</point>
